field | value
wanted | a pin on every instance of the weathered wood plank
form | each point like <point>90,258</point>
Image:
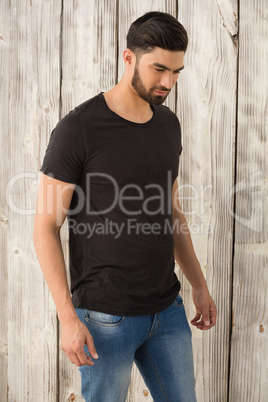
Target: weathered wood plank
<point>207,111</point>
<point>88,50</point>
<point>4,172</point>
<point>31,107</point>
<point>249,341</point>
<point>88,67</point>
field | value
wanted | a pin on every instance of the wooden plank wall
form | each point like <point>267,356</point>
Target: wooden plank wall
<point>55,55</point>
<point>30,45</point>
<point>4,173</point>
<point>206,108</point>
<point>249,340</point>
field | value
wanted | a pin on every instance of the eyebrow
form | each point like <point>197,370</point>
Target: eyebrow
<point>166,68</point>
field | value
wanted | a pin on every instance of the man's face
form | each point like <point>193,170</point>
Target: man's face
<point>156,73</point>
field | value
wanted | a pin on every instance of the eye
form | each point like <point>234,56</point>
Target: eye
<point>156,69</point>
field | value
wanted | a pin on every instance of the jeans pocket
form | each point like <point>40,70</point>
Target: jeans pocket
<point>103,319</point>
<point>179,300</point>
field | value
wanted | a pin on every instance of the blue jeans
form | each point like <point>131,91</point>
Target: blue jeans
<point>159,344</point>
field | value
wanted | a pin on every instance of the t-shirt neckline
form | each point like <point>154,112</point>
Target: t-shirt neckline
<point>131,123</point>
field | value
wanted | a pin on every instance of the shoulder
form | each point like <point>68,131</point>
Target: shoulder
<point>74,121</point>
<point>87,109</point>
<point>166,114</point>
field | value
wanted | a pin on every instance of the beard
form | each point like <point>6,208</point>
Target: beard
<point>147,95</point>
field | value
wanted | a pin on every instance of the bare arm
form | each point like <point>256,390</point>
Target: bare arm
<point>190,266</point>
<point>53,201</point>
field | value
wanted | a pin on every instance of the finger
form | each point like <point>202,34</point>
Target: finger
<point>74,359</point>
<point>213,316</point>
<point>213,319</point>
<point>196,318</point>
<point>84,359</point>
<point>88,362</point>
<point>206,318</point>
<point>91,347</point>
<point>196,323</point>
<point>204,327</point>
<point>81,359</point>
<point>200,322</point>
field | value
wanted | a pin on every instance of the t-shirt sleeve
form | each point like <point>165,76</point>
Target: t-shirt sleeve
<point>66,151</point>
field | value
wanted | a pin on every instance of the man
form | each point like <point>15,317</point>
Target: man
<point>111,167</point>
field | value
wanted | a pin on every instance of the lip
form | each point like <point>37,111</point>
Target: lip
<point>161,93</point>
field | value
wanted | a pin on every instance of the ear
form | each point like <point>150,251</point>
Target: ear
<point>129,57</point>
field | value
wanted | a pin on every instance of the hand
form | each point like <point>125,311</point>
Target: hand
<point>205,307</point>
<point>74,337</point>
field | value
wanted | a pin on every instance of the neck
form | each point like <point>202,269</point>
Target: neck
<point>123,100</point>
<point>125,95</point>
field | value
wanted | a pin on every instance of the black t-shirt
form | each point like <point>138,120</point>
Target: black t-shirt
<point>120,221</point>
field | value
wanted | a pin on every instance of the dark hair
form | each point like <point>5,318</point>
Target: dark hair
<point>156,29</point>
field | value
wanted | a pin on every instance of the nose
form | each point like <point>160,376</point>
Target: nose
<point>167,80</point>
